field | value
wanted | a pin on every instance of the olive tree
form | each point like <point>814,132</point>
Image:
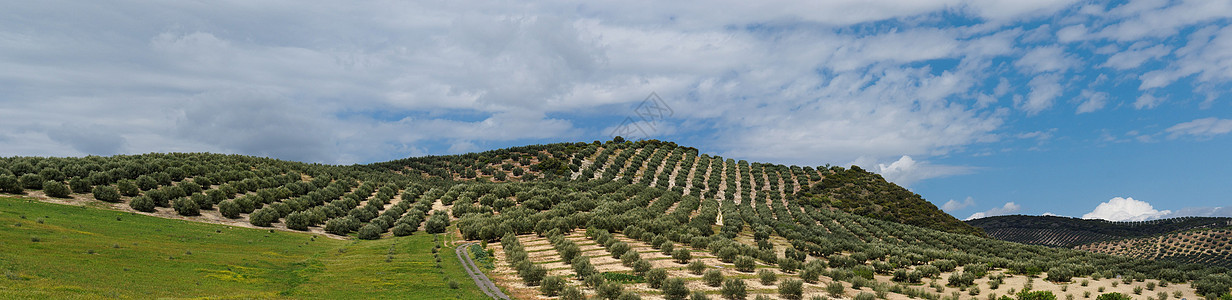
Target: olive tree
<point>56,189</point>
<point>107,193</point>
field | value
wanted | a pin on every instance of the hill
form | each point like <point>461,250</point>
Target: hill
<point>1070,232</point>
<point>610,219</point>
<point>867,194</point>
<point>1200,246</point>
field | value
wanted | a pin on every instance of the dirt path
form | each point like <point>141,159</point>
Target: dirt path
<point>481,280</point>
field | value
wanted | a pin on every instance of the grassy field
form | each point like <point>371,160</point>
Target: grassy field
<point>57,251</point>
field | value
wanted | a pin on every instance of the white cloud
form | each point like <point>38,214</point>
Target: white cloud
<point>1050,214</point>
<point>1206,127</point>
<point>1093,101</point>
<point>1044,89</point>
<point>1147,101</point>
<point>1047,59</point>
<point>906,171</point>
<point>1201,212</point>
<point>1008,208</point>
<point>953,205</point>
<point>1134,58</point>
<point>1125,209</point>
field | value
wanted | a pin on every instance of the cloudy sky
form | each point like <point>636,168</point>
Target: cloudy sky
<point>1115,110</point>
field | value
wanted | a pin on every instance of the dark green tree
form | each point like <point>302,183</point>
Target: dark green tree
<point>734,289</point>
<point>437,222</point>
<point>229,209</point>
<point>791,289</point>
<point>31,181</point>
<point>369,232</point>
<point>713,278</point>
<point>11,184</point>
<point>655,278</point>
<point>551,286</point>
<point>80,185</point>
<point>107,193</point>
<point>56,189</point>
<point>186,207</point>
<point>142,203</point>
<point>128,188</point>
<point>674,289</point>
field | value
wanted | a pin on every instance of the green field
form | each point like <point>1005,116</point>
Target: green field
<point>57,251</point>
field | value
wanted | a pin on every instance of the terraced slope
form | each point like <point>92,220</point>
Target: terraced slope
<point>1199,246</point>
<point>668,166</point>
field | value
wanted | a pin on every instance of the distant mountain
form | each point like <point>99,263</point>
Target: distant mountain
<point>1071,232</point>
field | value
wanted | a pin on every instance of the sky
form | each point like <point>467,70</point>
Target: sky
<point>1116,110</point>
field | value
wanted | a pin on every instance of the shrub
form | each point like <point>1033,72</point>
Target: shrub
<point>641,267</point>
<point>618,249</point>
<point>341,225</point>
<point>699,295</point>
<point>1113,296</point>
<point>571,293</point>
<point>229,209</point>
<point>142,204</point>
<point>551,286</point>
<point>532,275</point>
<point>56,189</point>
<point>437,223</point>
<point>1036,295</point>
<point>203,201</point>
<point>31,181</point>
<point>789,265</point>
<point>682,255</point>
<point>835,289</point>
<point>10,184</point>
<point>1060,274</point>
<point>675,289</point>
<point>107,193</point>
<point>298,221</point>
<point>745,264</point>
<point>734,289</point>
<point>629,258</point>
<point>80,185</point>
<point>128,188</point>
<point>403,229</point>
<point>865,296</point>
<point>713,278</point>
<point>791,289</point>
<point>696,267</point>
<point>667,248</point>
<point>767,277</point>
<point>264,217</point>
<point>186,207</point>
<point>369,232</point>
<point>655,278</point>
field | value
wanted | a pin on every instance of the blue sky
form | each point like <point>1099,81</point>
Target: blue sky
<point>1101,109</point>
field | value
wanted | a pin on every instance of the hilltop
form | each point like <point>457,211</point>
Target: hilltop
<point>616,219</point>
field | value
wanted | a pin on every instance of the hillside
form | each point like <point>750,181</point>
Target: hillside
<point>644,219</point>
<point>1199,246</point>
<point>867,194</point>
<point>1070,232</point>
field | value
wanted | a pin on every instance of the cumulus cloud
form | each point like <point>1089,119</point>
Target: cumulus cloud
<point>1008,208</point>
<point>953,205</point>
<point>1125,209</point>
<point>906,171</point>
<point>1203,128</point>
<point>784,81</point>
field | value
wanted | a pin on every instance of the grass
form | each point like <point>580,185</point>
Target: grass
<point>81,252</point>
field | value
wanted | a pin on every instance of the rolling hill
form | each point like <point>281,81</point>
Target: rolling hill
<point>1070,232</point>
<point>616,219</point>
